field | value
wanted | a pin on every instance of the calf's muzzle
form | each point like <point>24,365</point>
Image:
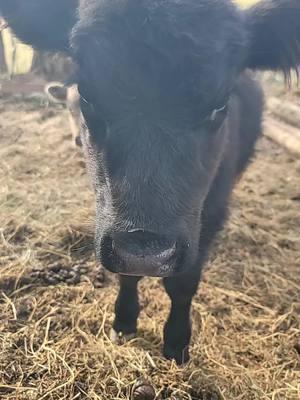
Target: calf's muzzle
<point>140,253</point>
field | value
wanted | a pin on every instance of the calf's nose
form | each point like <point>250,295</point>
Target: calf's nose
<point>144,253</point>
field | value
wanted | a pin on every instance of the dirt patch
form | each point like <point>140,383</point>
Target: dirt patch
<point>56,308</point>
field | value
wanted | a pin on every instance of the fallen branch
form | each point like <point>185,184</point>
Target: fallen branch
<point>285,135</point>
<point>286,111</point>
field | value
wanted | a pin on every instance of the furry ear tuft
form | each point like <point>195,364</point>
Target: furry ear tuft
<point>274,29</point>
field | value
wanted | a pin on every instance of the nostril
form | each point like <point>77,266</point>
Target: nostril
<point>136,230</point>
<point>167,253</point>
<point>106,246</point>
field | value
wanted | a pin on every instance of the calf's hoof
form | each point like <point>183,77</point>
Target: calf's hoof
<point>120,337</point>
<point>181,356</point>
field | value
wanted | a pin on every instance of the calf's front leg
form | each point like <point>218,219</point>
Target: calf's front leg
<point>127,308</point>
<point>177,331</point>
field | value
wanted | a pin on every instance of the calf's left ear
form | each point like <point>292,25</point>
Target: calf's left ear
<point>274,34</point>
<point>56,92</point>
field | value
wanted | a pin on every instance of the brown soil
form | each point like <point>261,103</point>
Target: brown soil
<point>56,307</point>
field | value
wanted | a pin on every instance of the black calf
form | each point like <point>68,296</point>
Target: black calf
<point>169,122</point>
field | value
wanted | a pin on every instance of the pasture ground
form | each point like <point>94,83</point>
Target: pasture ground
<point>56,307</point>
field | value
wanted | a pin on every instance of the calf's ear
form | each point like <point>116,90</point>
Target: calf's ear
<point>274,33</point>
<point>56,92</point>
<point>43,24</point>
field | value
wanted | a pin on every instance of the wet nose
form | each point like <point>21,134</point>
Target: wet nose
<point>144,253</point>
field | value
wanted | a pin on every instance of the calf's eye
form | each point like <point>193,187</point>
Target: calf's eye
<point>217,111</point>
<point>217,117</point>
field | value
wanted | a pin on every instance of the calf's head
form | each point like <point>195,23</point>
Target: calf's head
<point>155,79</point>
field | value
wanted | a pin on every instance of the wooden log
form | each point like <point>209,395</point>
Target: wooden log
<point>22,85</point>
<point>285,110</point>
<point>3,69</point>
<point>285,135</point>
<point>18,56</point>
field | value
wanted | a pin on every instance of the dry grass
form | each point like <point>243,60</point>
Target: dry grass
<point>53,338</point>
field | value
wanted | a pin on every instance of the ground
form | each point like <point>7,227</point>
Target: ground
<point>56,307</point>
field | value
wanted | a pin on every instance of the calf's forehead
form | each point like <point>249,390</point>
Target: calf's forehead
<point>188,49</point>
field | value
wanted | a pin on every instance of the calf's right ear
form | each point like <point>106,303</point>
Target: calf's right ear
<point>43,24</point>
<point>274,33</point>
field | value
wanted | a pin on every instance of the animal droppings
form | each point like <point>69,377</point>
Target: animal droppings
<point>143,390</point>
